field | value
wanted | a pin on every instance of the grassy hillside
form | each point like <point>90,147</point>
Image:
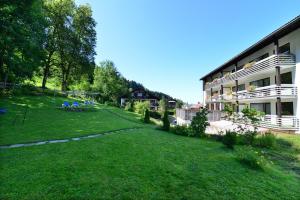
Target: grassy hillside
<point>45,121</point>
<point>138,164</point>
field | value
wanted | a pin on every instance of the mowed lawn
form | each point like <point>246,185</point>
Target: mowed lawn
<point>137,164</point>
<point>44,121</point>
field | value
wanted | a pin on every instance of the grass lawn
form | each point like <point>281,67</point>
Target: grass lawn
<point>44,121</point>
<point>139,164</point>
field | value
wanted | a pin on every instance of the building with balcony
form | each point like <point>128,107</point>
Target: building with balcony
<point>265,76</point>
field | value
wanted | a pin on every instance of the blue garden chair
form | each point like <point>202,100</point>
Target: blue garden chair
<point>3,111</point>
<point>65,104</point>
<point>75,104</point>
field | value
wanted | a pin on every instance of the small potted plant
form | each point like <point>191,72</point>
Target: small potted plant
<point>251,88</point>
<point>249,65</point>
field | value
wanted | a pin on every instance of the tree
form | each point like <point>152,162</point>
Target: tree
<point>199,123</point>
<point>109,82</point>
<point>22,35</point>
<point>72,36</point>
<point>140,107</point>
<point>162,105</point>
<point>179,103</point>
<point>166,122</point>
<point>147,116</point>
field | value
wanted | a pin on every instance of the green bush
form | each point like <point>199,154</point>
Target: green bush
<point>267,140</point>
<point>147,116</point>
<point>129,106</point>
<point>181,130</point>
<point>166,122</point>
<point>230,139</point>
<point>251,158</point>
<point>247,138</point>
<point>155,114</point>
<point>141,106</point>
<point>199,123</point>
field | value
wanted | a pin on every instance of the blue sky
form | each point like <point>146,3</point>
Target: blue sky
<point>167,45</point>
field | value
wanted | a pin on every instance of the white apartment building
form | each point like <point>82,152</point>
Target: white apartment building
<point>266,76</point>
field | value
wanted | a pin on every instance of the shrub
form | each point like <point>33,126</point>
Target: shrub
<point>129,106</point>
<point>155,114</point>
<point>267,140</point>
<point>141,106</point>
<point>166,122</point>
<point>199,123</point>
<point>147,116</point>
<point>229,139</point>
<point>247,138</point>
<point>251,158</point>
<point>181,130</point>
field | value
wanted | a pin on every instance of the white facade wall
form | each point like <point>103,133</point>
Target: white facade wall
<point>294,39</point>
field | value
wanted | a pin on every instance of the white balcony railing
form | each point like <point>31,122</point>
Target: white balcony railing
<point>280,123</point>
<point>282,60</point>
<point>285,90</point>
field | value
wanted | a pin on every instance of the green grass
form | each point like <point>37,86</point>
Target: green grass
<point>44,121</point>
<point>139,164</point>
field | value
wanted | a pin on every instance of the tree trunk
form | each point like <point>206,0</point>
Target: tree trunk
<point>46,70</point>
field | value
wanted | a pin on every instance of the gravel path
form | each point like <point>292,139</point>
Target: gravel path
<point>67,139</point>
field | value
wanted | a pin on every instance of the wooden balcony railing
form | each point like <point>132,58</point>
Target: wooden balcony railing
<point>282,60</point>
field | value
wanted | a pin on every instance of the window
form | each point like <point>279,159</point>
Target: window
<point>240,87</point>
<point>287,108</point>
<point>286,78</point>
<point>261,83</point>
<point>262,107</point>
<point>284,48</point>
<point>262,57</point>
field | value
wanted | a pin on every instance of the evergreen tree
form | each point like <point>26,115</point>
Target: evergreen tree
<point>166,122</point>
<point>147,116</point>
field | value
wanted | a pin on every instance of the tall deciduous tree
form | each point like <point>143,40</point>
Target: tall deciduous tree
<point>22,37</point>
<point>109,82</point>
<point>72,35</point>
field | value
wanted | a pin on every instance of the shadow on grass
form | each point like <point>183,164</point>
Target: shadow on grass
<point>285,155</point>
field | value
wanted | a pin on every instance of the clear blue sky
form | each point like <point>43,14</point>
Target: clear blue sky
<point>167,45</point>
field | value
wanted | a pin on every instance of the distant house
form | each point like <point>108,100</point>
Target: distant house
<point>184,115</point>
<point>141,95</point>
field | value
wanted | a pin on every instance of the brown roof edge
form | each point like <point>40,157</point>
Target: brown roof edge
<point>278,33</point>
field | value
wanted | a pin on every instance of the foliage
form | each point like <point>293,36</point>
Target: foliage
<point>247,138</point>
<point>147,116</point>
<point>162,105</point>
<point>166,122</point>
<point>266,140</point>
<point>179,103</point>
<point>129,106</point>
<point>251,158</point>
<point>181,130</point>
<point>155,114</point>
<point>141,106</point>
<point>22,37</point>
<point>109,82</point>
<point>229,139</point>
<point>71,39</point>
<point>228,109</point>
<point>199,123</point>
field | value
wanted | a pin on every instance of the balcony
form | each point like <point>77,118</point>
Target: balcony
<point>285,90</point>
<point>280,123</point>
<point>267,64</point>
<point>272,91</point>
